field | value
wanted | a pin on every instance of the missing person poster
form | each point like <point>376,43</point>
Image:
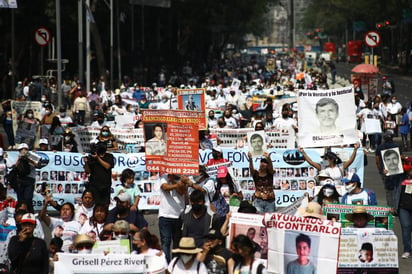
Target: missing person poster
<point>301,245</point>
<point>172,141</point>
<point>368,250</point>
<point>193,100</point>
<point>327,117</point>
<point>392,161</point>
<point>252,226</point>
<point>382,216</point>
<point>257,143</point>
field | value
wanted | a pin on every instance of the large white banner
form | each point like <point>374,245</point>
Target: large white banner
<point>327,117</point>
<point>112,263</point>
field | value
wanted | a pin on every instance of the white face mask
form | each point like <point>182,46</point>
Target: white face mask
<point>85,251</point>
<point>349,188</point>
<point>186,258</point>
<point>327,192</point>
<point>326,162</point>
<point>120,237</point>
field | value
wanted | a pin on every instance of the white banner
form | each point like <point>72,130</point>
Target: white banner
<point>372,126</point>
<point>327,117</point>
<point>112,263</point>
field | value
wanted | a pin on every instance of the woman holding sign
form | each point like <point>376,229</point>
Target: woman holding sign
<point>264,196</point>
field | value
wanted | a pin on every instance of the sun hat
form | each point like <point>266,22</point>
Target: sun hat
<point>187,246</point>
<point>359,210</point>
<point>82,239</point>
<point>312,210</point>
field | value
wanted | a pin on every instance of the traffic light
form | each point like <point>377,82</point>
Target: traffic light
<point>387,23</point>
<point>380,25</point>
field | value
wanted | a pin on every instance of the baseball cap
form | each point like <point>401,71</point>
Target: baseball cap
<point>43,141</point>
<point>218,149</point>
<point>222,172</point>
<point>28,218</point>
<point>354,179</point>
<point>22,145</point>
<point>123,197</point>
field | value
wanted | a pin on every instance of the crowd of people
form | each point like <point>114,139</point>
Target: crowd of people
<point>193,212</point>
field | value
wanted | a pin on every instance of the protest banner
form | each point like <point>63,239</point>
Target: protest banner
<point>126,121</point>
<point>172,141</point>
<point>120,246</point>
<point>326,117</point>
<point>383,217</point>
<point>19,108</point>
<point>252,226</point>
<point>193,100</point>
<point>368,250</point>
<point>392,161</point>
<point>257,143</point>
<point>235,84</point>
<point>65,178</point>
<point>114,263</point>
<point>297,243</point>
<point>372,126</point>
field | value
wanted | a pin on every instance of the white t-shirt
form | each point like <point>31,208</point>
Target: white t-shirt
<point>171,203</point>
<point>288,123</point>
<point>358,198</point>
<point>69,232</point>
<point>179,268</point>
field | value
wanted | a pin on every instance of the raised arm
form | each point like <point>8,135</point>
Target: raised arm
<point>309,160</point>
<point>352,157</point>
<point>252,169</point>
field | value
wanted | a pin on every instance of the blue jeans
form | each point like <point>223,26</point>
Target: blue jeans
<point>170,230</point>
<point>264,206</point>
<point>405,217</point>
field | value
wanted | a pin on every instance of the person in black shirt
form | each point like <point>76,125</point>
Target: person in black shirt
<point>99,166</point>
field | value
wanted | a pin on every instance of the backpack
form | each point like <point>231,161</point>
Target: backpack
<point>236,269</point>
<point>220,205</point>
<point>23,168</point>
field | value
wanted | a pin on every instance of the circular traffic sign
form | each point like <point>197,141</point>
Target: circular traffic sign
<point>42,36</point>
<point>372,39</point>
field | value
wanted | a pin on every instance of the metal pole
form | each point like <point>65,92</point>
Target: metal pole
<point>59,54</point>
<point>119,63</point>
<point>111,44</point>
<point>87,51</point>
<point>13,70</point>
<point>80,38</point>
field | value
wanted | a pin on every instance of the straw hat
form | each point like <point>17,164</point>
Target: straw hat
<point>187,246</point>
<point>82,239</point>
<point>360,210</point>
<point>312,210</point>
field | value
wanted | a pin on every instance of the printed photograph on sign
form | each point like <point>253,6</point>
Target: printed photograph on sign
<point>300,252</point>
<point>155,136</point>
<point>257,143</point>
<point>392,161</point>
<point>327,117</point>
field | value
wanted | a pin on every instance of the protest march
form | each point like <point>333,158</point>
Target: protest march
<point>258,176</point>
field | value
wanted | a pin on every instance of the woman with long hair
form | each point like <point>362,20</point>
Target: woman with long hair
<point>94,226</point>
<point>244,257</point>
<point>107,137</point>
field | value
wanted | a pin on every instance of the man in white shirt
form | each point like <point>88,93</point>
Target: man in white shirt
<point>285,122</point>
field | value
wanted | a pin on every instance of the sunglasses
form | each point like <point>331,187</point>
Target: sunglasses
<point>84,246</point>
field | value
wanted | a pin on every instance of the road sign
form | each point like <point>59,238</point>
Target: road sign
<point>372,39</point>
<point>42,36</point>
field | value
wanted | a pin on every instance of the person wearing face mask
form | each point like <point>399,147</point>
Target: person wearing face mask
<point>212,120</point>
<point>68,143</point>
<point>128,186</point>
<point>28,254</point>
<point>327,195</point>
<point>27,129</point>
<point>65,119</point>
<point>286,122</point>
<point>83,244</point>
<point>229,119</point>
<point>80,107</point>
<point>356,194</point>
<point>164,103</point>
<point>394,109</point>
<point>186,261</point>
<point>214,254</point>
<point>99,166</point>
<point>107,137</point>
<point>123,212</point>
<point>332,164</point>
<point>199,219</point>
<point>121,230</point>
<point>100,120</point>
